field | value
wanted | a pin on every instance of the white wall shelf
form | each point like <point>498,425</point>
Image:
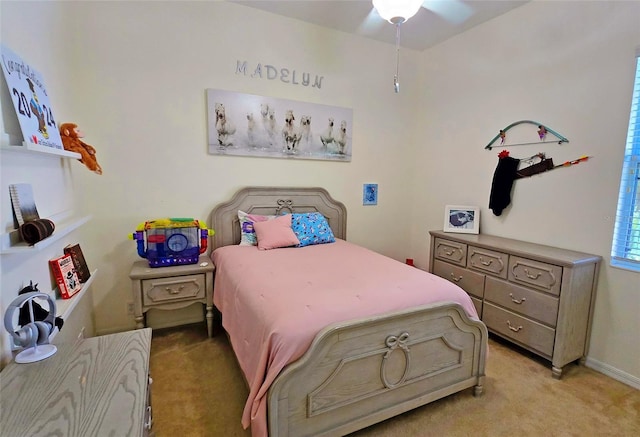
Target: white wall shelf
<point>64,307</point>
<point>28,147</point>
<point>11,242</point>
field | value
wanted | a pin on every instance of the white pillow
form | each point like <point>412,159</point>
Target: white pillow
<point>247,233</point>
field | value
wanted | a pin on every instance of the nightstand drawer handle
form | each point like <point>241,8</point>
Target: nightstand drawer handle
<point>530,276</point>
<point>518,301</point>
<point>486,263</point>
<point>454,279</point>
<point>513,328</point>
<point>173,290</point>
<point>448,252</point>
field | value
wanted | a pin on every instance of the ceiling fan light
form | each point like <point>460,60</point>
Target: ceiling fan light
<point>397,11</point>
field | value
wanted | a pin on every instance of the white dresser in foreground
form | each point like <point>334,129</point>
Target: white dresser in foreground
<point>539,297</point>
<point>95,387</point>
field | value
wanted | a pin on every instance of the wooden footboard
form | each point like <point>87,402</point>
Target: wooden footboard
<point>359,373</point>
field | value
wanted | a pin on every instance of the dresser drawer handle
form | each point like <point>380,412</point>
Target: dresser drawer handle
<point>518,301</point>
<point>149,423</point>
<point>448,252</point>
<point>173,290</point>
<point>530,276</point>
<point>454,279</point>
<point>513,328</point>
<point>486,263</point>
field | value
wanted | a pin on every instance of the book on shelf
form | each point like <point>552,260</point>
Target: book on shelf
<point>64,273</point>
<point>23,204</point>
<point>79,262</point>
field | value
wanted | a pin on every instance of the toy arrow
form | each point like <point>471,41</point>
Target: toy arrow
<point>575,161</point>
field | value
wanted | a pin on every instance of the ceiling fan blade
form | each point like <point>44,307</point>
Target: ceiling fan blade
<point>372,22</point>
<point>454,11</point>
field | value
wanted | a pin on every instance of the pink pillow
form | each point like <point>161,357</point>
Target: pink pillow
<point>275,233</point>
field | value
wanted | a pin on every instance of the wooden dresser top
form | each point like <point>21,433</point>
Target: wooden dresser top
<point>521,248</point>
<point>96,386</point>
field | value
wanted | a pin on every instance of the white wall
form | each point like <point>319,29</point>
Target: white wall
<point>569,65</point>
<point>52,178</point>
<point>138,92</point>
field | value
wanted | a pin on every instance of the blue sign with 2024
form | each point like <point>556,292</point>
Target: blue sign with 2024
<point>30,100</point>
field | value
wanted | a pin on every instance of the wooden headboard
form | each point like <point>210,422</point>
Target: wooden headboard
<point>274,201</point>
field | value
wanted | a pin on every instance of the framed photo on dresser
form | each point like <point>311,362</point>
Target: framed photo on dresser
<point>462,219</point>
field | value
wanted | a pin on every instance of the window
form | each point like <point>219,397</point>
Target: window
<point>625,250</point>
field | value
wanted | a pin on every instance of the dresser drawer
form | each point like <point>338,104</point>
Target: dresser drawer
<point>451,251</point>
<point>471,282</point>
<point>162,290</point>
<point>478,304</point>
<point>543,276</point>
<point>530,303</point>
<point>526,332</point>
<point>488,261</point>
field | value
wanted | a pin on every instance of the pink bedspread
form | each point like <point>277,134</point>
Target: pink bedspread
<point>274,302</point>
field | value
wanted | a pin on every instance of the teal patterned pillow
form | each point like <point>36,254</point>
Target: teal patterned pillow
<point>311,228</point>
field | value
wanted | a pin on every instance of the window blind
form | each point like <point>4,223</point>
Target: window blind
<point>625,251</point>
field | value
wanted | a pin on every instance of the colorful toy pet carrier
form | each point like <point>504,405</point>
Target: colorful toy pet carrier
<point>171,241</point>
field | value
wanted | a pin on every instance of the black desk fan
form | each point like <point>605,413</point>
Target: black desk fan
<point>33,337</point>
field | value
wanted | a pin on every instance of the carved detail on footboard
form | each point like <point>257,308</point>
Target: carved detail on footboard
<point>393,343</point>
<point>354,378</point>
<point>361,372</point>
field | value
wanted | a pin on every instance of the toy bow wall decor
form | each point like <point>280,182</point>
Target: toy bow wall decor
<point>507,172</point>
<point>541,135</point>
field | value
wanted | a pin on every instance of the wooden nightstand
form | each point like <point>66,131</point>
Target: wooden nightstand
<point>170,288</point>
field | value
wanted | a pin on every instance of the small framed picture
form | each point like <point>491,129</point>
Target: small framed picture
<point>462,219</point>
<point>370,194</point>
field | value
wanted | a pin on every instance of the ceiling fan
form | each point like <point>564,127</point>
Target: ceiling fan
<point>397,12</point>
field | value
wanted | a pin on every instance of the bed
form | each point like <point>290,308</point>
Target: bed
<point>347,370</point>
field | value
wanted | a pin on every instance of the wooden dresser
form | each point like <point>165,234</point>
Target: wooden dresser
<point>539,297</point>
<point>95,387</point>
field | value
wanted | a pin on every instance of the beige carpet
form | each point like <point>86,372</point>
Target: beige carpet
<point>198,390</point>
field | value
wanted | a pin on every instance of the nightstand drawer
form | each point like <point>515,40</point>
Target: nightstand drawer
<point>488,261</point>
<point>531,303</point>
<point>162,290</point>
<point>451,251</point>
<point>526,332</point>
<point>546,277</point>
<point>471,282</point>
